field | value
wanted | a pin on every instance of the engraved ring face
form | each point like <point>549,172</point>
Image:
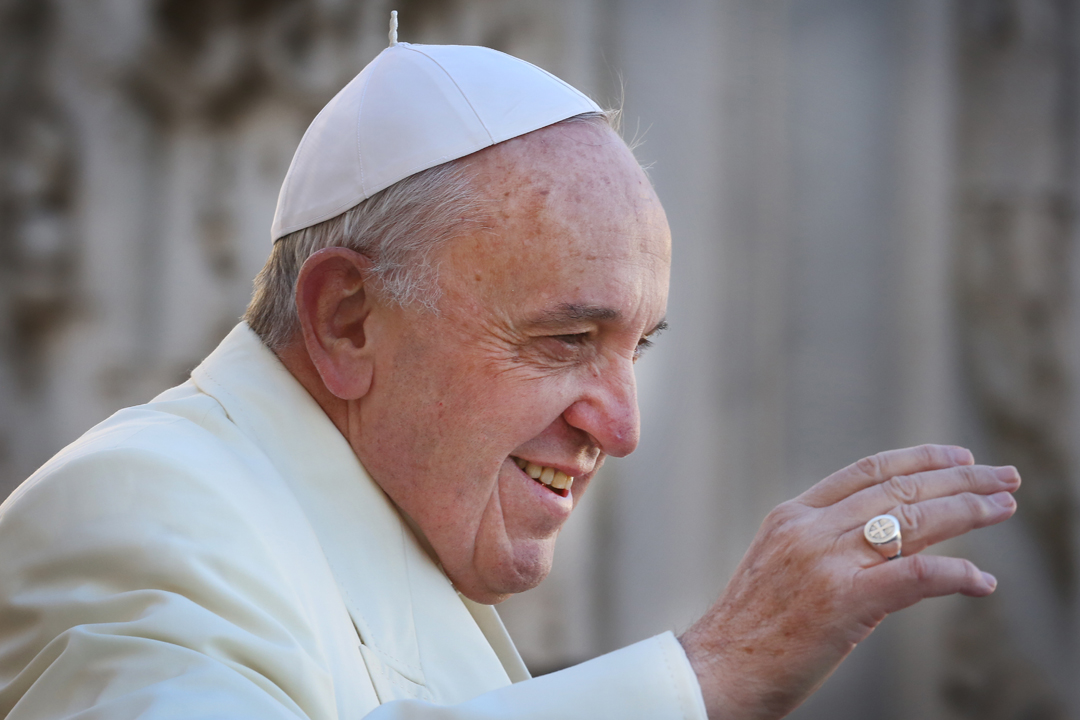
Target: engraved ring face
<point>882,529</point>
<point>883,534</point>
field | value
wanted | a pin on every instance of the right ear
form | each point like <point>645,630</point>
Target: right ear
<point>334,304</point>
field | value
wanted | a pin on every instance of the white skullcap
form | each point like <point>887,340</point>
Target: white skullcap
<point>412,108</point>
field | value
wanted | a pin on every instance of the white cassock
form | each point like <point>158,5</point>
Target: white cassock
<point>221,553</point>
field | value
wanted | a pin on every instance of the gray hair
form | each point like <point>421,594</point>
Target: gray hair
<point>398,229</point>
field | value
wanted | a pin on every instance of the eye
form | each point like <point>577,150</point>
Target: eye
<point>566,348</point>
<point>643,345</point>
<point>646,342</point>
<point>575,339</point>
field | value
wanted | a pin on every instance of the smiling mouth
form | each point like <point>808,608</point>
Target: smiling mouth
<point>555,480</point>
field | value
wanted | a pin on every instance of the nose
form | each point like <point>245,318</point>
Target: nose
<point>607,408</point>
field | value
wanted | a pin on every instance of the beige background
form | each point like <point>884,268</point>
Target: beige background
<point>874,204</point>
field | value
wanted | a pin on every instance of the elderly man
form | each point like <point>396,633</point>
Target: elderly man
<point>439,355</point>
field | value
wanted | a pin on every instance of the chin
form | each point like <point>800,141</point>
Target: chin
<point>495,584</point>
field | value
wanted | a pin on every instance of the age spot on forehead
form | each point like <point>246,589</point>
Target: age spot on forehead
<point>566,196</point>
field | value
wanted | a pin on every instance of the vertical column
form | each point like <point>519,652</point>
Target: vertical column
<point>924,152</point>
<point>842,379</point>
<point>1015,238</point>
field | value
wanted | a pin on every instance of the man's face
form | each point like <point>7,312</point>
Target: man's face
<point>530,357</point>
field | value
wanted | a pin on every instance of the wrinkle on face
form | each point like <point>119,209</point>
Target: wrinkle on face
<point>529,355</point>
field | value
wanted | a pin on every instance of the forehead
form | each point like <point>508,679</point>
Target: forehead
<point>572,219</point>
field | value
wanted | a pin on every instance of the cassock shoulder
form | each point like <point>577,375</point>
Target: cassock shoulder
<point>163,545</point>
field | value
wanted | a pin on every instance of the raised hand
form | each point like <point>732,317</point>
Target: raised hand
<point>811,586</point>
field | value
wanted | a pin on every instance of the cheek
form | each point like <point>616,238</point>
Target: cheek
<point>514,407</point>
<point>499,394</point>
<point>466,410</point>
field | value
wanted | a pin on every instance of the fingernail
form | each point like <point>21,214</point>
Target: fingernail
<point>1007,472</point>
<point>960,455</point>
<point>990,580</point>
<point>1004,499</point>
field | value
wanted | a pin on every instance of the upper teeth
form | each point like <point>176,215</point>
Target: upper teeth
<point>547,475</point>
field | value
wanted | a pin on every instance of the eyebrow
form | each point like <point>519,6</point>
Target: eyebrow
<point>573,312</point>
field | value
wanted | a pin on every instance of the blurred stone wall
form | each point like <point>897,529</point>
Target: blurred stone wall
<point>1015,267</point>
<point>873,206</point>
<point>142,146</point>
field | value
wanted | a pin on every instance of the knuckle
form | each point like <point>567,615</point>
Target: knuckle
<point>902,488</point>
<point>927,454</point>
<point>974,505</point>
<point>919,569</point>
<point>783,533</point>
<point>910,517</point>
<point>970,475</point>
<point>871,466</point>
<point>783,514</point>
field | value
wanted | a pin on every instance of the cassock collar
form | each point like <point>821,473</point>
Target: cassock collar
<point>403,606</point>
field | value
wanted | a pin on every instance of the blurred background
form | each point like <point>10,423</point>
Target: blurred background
<point>874,205</point>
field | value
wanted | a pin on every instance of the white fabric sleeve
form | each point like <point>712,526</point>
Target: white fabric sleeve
<point>650,680</point>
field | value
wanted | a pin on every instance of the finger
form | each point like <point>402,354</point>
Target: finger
<point>930,522</point>
<point>919,487</point>
<point>904,582</point>
<point>878,468</point>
